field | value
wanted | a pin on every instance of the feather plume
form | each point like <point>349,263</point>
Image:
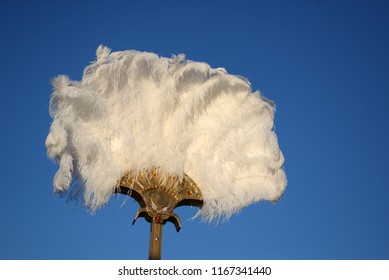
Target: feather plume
<point>133,111</point>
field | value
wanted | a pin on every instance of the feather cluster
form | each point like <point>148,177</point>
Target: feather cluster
<point>134,111</point>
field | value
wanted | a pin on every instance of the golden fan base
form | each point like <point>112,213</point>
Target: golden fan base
<point>158,195</point>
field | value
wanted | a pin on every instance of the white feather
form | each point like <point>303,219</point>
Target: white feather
<point>135,111</point>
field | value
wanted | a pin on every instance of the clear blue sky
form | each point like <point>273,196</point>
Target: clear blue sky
<point>324,63</point>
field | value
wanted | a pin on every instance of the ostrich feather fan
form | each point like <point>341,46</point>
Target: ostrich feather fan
<point>134,111</point>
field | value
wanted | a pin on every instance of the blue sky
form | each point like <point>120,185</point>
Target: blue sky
<point>324,63</point>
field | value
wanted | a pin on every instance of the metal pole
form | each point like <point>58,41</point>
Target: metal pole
<point>155,240</point>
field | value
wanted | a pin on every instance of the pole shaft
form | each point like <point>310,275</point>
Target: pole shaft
<point>155,241</point>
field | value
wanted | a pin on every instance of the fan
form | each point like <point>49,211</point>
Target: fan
<point>138,123</point>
